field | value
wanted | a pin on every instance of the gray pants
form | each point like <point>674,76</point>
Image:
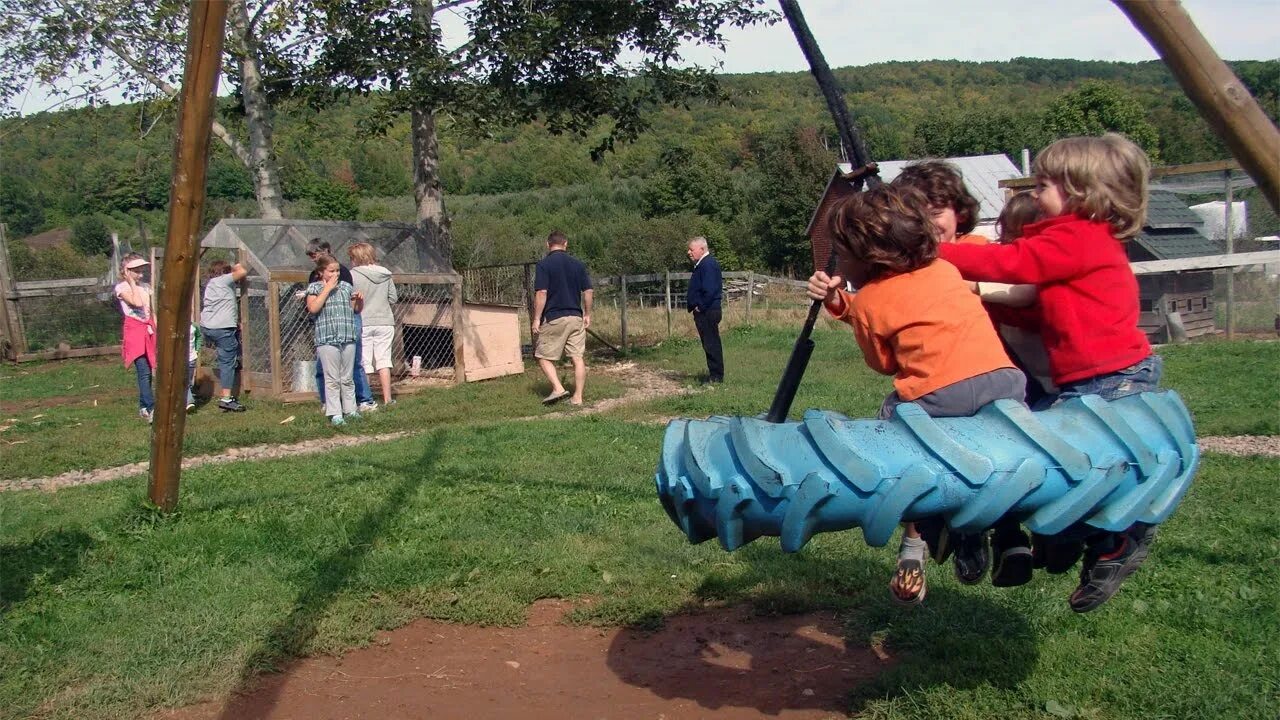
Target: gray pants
<point>339,387</point>
<point>965,397</point>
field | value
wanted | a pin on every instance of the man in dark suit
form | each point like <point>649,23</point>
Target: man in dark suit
<point>703,300</point>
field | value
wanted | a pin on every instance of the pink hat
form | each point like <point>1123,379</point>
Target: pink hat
<point>135,263</point>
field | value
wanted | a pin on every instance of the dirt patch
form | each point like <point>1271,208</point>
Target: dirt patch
<point>1265,445</point>
<point>723,665</point>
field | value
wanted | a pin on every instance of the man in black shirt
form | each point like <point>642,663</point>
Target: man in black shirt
<point>561,316</point>
<point>703,300</point>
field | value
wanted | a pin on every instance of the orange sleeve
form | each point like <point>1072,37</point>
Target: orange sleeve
<point>875,351</point>
<point>842,307</point>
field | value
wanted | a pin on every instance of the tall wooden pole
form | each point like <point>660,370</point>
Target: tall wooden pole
<point>1225,103</point>
<point>182,254</point>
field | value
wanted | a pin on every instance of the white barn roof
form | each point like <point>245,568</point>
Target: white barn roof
<point>982,175</point>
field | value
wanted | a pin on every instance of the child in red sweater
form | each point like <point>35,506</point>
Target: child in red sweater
<point>914,318</point>
<point>1092,192</point>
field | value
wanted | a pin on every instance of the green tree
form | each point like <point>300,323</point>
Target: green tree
<point>21,207</point>
<point>794,168</point>
<point>1097,107</point>
<point>90,237</point>
<point>688,180</point>
<point>333,201</point>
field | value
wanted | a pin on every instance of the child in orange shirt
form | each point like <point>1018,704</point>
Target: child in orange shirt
<point>954,212</point>
<point>916,319</point>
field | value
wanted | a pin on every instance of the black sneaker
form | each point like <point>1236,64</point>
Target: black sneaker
<point>1108,563</point>
<point>1055,554</point>
<point>230,405</point>
<point>973,556</point>
<point>1011,558</point>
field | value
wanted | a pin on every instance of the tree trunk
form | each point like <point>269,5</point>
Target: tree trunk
<point>427,191</point>
<point>262,159</point>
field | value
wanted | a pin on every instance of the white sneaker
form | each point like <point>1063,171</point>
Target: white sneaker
<point>367,407</point>
<point>146,414</point>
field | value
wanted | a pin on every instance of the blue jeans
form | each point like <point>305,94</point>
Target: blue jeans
<point>227,341</point>
<point>363,393</point>
<point>146,399</point>
<point>1142,376</point>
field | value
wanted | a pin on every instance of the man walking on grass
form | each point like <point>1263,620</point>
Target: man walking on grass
<point>561,316</point>
<point>703,301</point>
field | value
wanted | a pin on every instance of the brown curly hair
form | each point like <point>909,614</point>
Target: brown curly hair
<point>885,230</point>
<point>942,183</point>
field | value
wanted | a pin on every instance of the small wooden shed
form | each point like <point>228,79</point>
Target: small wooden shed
<point>1173,231</point>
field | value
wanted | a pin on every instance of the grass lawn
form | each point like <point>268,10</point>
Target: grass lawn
<point>55,425</point>
<point>108,610</point>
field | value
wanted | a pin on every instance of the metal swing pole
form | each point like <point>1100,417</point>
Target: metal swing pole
<point>863,170</point>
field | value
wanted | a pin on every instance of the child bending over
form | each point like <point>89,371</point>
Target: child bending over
<point>915,319</point>
<point>1092,194</point>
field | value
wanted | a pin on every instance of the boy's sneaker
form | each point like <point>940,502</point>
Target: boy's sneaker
<point>1107,564</point>
<point>191,406</point>
<point>367,407</point>
<point>353,416</point>
<point>972,556</point>
<point>145,414</point>
<point>337,421</point>
<point>1011,558</point>
<point>230,405</point>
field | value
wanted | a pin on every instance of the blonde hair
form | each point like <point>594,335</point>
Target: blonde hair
<point>361,254</point>
<point>1102,178</point>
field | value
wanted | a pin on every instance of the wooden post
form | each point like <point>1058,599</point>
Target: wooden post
<point>186,206</point>
<point>528,291</point>
<point>622,314</point>
<point>273,329</point>
<point>1229,225</point>
<point>751,291</point>
<point>1225,103</point>
<point>10,311</point>
<point>459,361</point>
<point>668,291</point>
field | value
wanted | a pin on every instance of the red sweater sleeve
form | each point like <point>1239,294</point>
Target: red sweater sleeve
<point>1052,255</point>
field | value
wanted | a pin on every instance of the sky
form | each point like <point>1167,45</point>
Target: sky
<point>860,32</point>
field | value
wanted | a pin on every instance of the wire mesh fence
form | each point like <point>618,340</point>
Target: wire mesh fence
<point>643,310</point>
<point>68,318</point>
<point>422,349</point>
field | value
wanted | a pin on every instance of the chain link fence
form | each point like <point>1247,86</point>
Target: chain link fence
<point>422,352</point>
<point>57,318</point>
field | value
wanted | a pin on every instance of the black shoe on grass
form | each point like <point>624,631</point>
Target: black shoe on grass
<point>1011,558</point>
<point>1107,564</point>
<point>972,556</point>
<point>230,405</point>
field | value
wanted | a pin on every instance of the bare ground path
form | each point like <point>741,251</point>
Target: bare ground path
<point>725,664</point>
<point>643,384</point>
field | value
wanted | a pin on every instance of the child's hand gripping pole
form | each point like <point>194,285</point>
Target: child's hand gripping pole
<point>803,350</point>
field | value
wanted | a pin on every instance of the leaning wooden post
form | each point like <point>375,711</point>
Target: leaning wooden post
<point>186,206</point>
<point>622,314</point>
<point>1225,103</point>
<point>10,310</point>
<point>668,292</point>
<point>1229,225</point>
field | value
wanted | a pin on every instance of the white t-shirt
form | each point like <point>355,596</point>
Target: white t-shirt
<point>140,312</point>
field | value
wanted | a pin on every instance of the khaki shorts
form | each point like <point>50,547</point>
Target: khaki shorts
<point>560,337</point>
<point>375,345</point>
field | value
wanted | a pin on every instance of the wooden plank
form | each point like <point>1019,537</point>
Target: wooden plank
<point>622,316</point>
<point>1206,262</point>
<point>72,353</point>
<point>52,292</point>
<point>459,351</point>
<point>428,278</point>
<point>667,288</point>
<point>55,284</point>
<point>289,276</point>
<point>273,323</point>
<point>9,308</point>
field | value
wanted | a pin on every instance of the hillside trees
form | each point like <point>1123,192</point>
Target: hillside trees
<point>568,65</point>
<point>139,47</point>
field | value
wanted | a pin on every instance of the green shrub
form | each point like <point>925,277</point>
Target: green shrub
<point>89,236</point>
<point>333,201</point>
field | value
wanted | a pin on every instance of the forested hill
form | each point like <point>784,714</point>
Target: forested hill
<point>745,172</point>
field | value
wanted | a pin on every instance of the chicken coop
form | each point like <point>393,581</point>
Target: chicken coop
<point>433,336</point>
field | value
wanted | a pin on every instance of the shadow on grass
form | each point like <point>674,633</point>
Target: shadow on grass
<point>292,634</point>
<point>735,658</point>
<point>47,560</point>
